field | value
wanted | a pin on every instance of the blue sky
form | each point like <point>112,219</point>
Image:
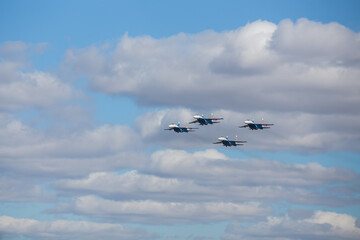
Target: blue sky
<point>87,87</point>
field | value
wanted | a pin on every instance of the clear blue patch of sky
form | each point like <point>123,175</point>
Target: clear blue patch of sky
<point>115,110</point>
<point>86,22</point>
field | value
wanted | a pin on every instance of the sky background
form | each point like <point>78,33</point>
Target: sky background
<point>87,87</point>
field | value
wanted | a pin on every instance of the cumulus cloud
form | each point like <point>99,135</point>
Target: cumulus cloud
<point>21,140</point>
<point>212,166</point>
<point>303,66</point>
<point>133,185</point>
<point>21,89</point>
<point>317,43</point>
<point>320,225</point>
<point>11,227</point>
<point>208,176</point>
<point>35,89</point>
<point>156,212</point>
<point>30,157</point>
<point>28,151</point>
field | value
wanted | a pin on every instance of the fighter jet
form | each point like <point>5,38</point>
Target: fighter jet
<point>255,126</point>
<point>205,121</point>
<point>178,129</point>
<point>228,143</point>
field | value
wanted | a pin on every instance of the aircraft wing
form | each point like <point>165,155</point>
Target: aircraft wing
<point>190,129</point>
<point>193,121</point>
<point>217,142</point>
<point>243,126</point>
<point>240,141</point>
<point>266,124</point>
<point>214,118</point>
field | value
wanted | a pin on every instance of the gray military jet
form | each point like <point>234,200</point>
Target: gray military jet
<point>205,121</point>
<point>256,126</point>
<point>229,143</point>
<point>178,129</point>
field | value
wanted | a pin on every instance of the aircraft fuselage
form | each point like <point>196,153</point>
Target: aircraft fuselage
<point>204,121</point>
<point>228,143</point>
<point>180,129</point>
<point>254,126</point>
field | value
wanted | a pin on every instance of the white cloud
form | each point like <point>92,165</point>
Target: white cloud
<point>317,43</point>
<point>213,167</point>
<point>339,222</point>
<point>133,185</point>
<point>156,212</point>
<point>304,66</point>
<point>20,140</point>
<point>31,152</point>
<point>245,50</point>
<point>136,186</point>
<point>23,89</point>
<point>321,225</point>
<point>65,229</point>
<point>208,176</point>
<point>36,89</point>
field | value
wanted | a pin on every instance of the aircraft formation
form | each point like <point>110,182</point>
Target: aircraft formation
<point>211,120</point>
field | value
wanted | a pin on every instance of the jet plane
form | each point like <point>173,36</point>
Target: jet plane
<point>205,121</point>
<point>178,129</point>
<point>255,126</point>
<point>228,143</point>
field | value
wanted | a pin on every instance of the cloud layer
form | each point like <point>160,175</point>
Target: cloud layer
<point>319,225</point>
<point>63,229</point>
<point>205,186</point>
<point>261,66</point>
